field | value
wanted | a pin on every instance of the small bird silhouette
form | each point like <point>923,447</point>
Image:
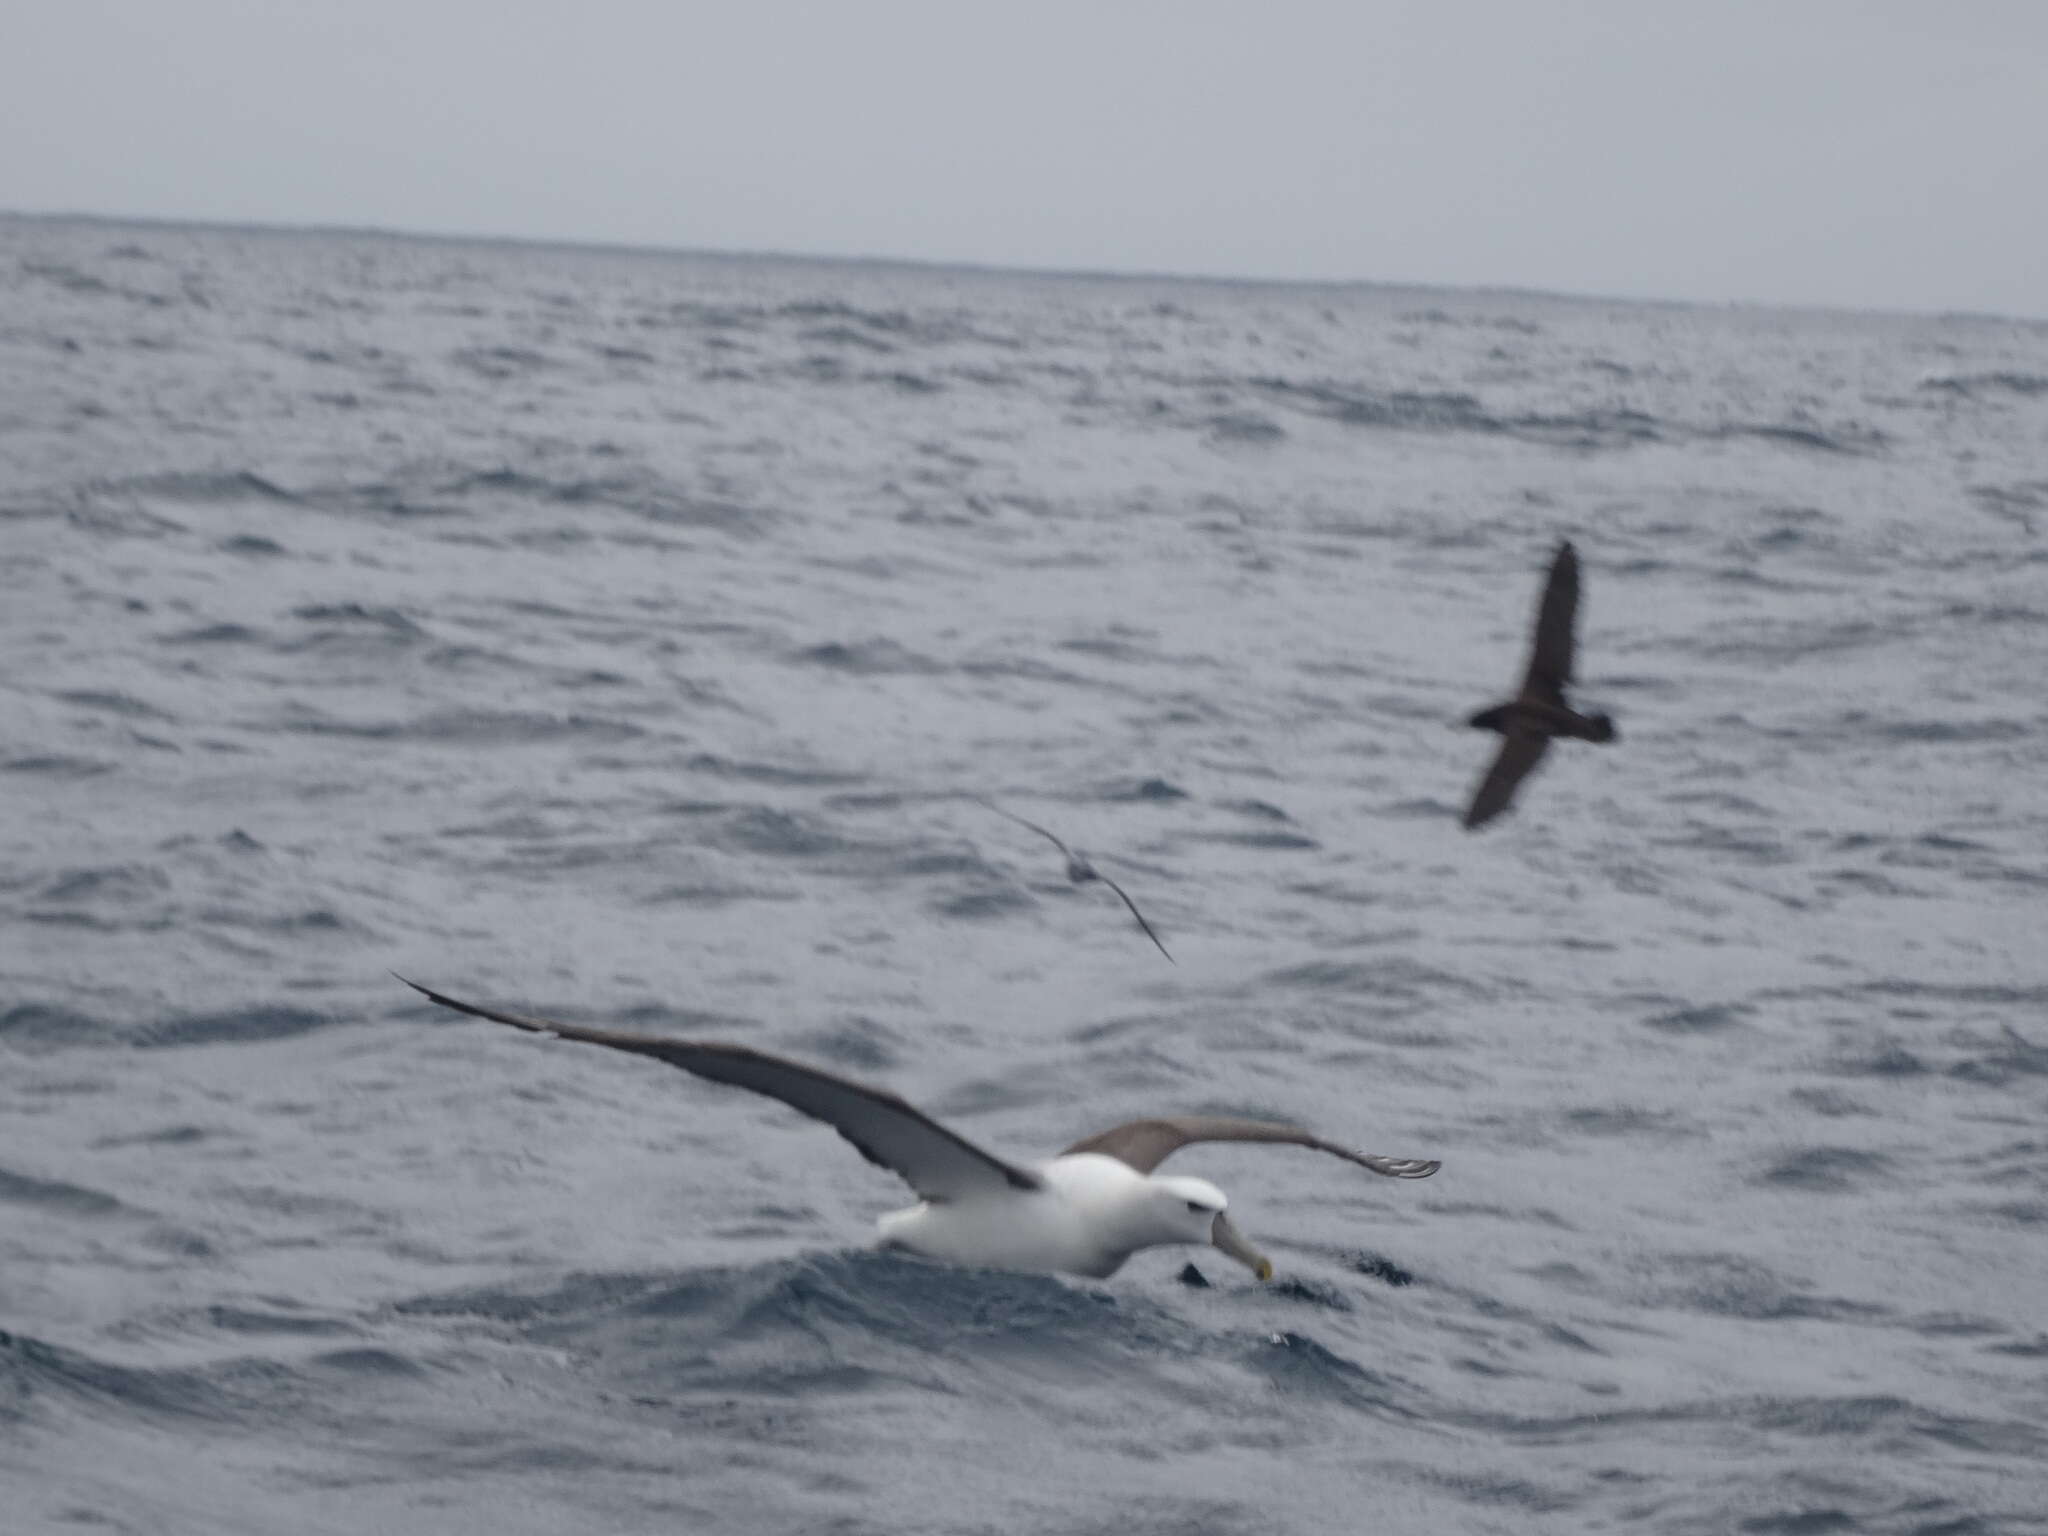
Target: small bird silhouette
<point>1080,871</point>
<point>1528,722</point>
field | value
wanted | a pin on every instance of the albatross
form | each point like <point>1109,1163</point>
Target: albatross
<point>1080,872</point>
<point>1082,1212</point>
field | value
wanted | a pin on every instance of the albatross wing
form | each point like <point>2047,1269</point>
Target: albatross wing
<point>1145,1144</point>
<point>1138,915</point>
<point>885,1130</point>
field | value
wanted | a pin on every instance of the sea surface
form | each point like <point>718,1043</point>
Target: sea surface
<point>627,636</point>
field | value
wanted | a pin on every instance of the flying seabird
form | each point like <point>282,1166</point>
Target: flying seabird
<point>1539,712</point>
<point>1080,871</point>
<point>1084,1211</point>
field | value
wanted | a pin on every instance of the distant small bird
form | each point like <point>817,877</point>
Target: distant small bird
<point>1080,871</point>
<point>1529,721</point>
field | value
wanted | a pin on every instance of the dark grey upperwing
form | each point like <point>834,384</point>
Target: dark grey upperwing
<point>1034,826</point>
<point>1138,915</point>
<point>1519,753</point>
<point>1145,1144</point>
<point>932,1160</point>
<point>1557,615</point>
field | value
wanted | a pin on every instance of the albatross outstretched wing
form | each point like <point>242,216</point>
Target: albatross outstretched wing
<point>1145,1144</point>
<point>932,1160</point>
<point>1137,914</point>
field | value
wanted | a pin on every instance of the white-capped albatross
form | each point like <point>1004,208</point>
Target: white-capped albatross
<point>1080,872</point>
<point>1084,1211</point>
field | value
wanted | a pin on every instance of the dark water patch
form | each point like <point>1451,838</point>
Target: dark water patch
<point>1311,1293</point>
<point>1899,1425</point>
<point>1805,1522</point>
<point>464,728</point>
<point>1155,790</point>
<point>501,363</point>
<point>1378,1267</point>
<point>121,884</point>
<point>311,922</point>
<point>123,704</point>
<point>1937,732</point>
<point>1356,406</point>
<point>216,634</point>
<point>1028,669</point>
<point>1999,1065</point>
<point>1299,1367</point>
<point>576,1296</point>
<point>904,382</point>
<point>1730,1285</point>
<point>251,546</point>
<point>869,658</point>
<point>229,1393</point>
<point>55,1195</point>
<point>779,834</point>
<point>354,627</point>
<point>1588,430</point>
<point>371,1362</point>
<point>839,1324</point>
<point>1259,809</point>
<point>1243,428</point>
<point>237,1026</point>
<point>1276,842</point>
<point>781,774</point>
<point>291,1323</point>
<point>865,1044</point>
<point>2035,1348</point>
<point>2017,502</point>
<point>987,905</point>
<point>1848,440</point>
<point>1707,1019</point>
<point>1830,1103</point>
<point>1978,994</point>
<point>845,336</point>
<point>1755,847</point>
<point>1954,1325</point>
<point>1781,642</point>
<point>649,1019</point>
<point>48,1024</point>
<point>1623,1120</point>
<point>1993,382</point>
<point>169,1136</point>
<point>229,486</point>
<point>1888,1060</point>
<point>1394,979</point>
<point>712,897</point>
<point>1825,1170</point>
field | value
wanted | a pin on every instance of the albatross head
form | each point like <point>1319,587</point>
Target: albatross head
<point>1192,1211</point>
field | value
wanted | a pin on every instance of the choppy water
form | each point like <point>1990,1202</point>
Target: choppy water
<point>622,636</point>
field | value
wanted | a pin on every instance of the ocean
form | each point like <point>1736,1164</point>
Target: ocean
<point>630,637</point>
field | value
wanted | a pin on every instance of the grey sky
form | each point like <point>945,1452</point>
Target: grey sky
<point>1887,153</point>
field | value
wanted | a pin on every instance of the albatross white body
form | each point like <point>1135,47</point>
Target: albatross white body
<point>1093,1213</point>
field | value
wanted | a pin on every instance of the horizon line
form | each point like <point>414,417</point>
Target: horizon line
<point>990,268</point>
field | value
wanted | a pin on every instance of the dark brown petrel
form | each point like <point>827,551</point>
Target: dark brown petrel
<point>1529,721</point>
<point>1080,871</point>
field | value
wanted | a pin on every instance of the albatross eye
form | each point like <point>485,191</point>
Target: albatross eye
<point>1197,1206</point>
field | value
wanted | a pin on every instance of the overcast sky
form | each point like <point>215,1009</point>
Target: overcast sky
<point>1887,153</point>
